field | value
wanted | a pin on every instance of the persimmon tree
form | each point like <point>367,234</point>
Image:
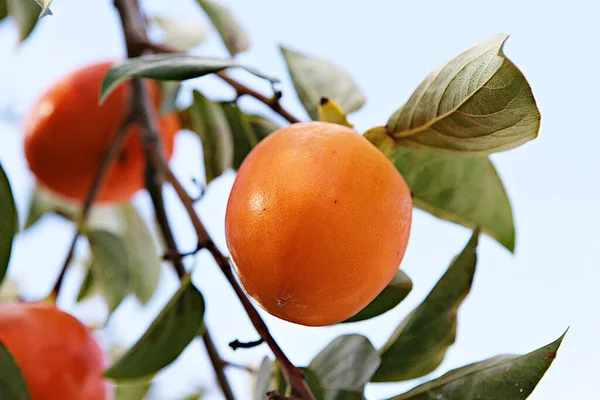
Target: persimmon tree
<point>439,141</point>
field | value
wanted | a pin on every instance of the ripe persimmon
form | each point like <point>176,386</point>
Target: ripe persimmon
<point>67,134</point>
<point>57,354</point>
<point>317,223</point>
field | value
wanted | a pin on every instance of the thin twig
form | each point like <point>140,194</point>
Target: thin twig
<point>240,88</point>
<point>273,102</point>
<point>236,344</point>
<point>155,188</point>
<point>293,375</point>
<point>216,360</point>
<point>246,368</point>
<point>276,396</point>
<point>111,153</point>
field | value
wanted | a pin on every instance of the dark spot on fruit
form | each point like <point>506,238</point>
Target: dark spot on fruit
<point>335,201</point>
<point>324,100</point>
<point>122,158</point>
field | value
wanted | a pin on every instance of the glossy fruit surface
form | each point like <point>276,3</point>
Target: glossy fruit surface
<point>67,134</point>
<point>57,354</point>
<point>317,223</point>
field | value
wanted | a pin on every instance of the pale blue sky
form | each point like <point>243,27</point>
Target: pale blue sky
<point>518,302</point>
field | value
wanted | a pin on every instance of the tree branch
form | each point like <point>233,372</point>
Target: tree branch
<point>273,102</point>
<point>293,375</point>
<point>236,344</point>
<point>142,111</point>
<point>240,88</point>
<point>111,153</point>
<point>145,115</point>
<point>216,360</point>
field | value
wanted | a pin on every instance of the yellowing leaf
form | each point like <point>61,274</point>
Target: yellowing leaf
<point>45,4</point>
<point>314,79</point>
<point>330,111</point>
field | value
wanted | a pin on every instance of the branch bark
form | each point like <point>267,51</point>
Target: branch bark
<point>273,102</point>
<point>292,374</point>
<point>145,116</point>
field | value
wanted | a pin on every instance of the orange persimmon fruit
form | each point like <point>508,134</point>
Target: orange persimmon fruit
<point>57,354</point>
<point>67,133</point>
<point>317,223</point>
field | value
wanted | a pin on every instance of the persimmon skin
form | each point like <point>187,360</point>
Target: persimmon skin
<point>317,223</point>
<point>56,353</point>
<point>67,133</point>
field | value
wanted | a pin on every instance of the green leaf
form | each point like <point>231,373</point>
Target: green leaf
<point>262,126</point>
<point>208,121</point>
<point>12,383</point>
<point>170,91</point>
<point>43,202</point>
<point>502,377</point>
<point>420,343</point>
<point>231,32</point>
<point>167,67</point>
<point>3,9</point>
<point>132,391</point>
<point>195,396</point>
<point>110,266</point>
<point>390,297</point>
<point>244,137</point>
<point>330,111</point>
<point>477,103</point>
<point>9,224</point>
<point>265,380</point>
<point>144,261</point>
<point>314,79</point>
<point>462,189</point>
<point>26,14</point>
<point>347,363</point>
<point>88,286</point>
<point>168,335</point>
<point>343,395</point>
<point>314,383</point>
